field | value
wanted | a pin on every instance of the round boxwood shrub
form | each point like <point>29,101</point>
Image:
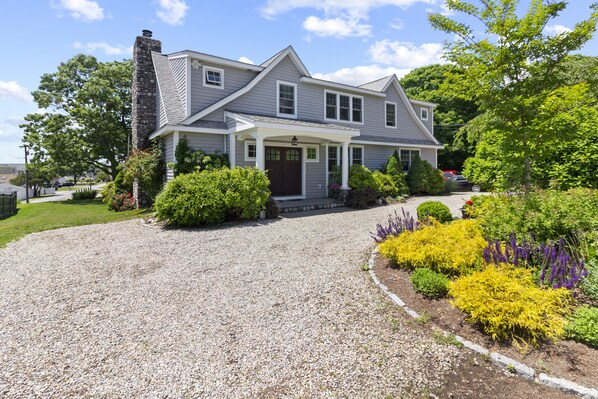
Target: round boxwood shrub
<point>361,178</point>
<point>84,195</point>
<point>429,283</point>
<point>435,209</point>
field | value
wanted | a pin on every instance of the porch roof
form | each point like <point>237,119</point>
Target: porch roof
<point>295,122</point>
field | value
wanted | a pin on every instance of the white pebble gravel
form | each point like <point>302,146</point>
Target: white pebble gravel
<point>259,309</point>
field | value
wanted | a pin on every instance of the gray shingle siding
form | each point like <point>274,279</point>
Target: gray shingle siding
<point>315,174</point>
<point>205,141</point>
<point>376,156</point>
<point>202,97</point>
<point>179,73</point>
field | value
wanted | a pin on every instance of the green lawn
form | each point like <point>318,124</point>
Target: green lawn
<point>42,216</point>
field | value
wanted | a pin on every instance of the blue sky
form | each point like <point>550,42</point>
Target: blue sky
<point>350,41</point>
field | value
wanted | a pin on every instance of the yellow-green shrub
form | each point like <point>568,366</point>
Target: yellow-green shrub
<point>508,305</point>
<point>452,249</point>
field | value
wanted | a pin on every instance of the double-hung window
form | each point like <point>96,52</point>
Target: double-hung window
<point>213,77</point>
<point>391,114</point>
<point>286,99</point>
<point>423,113</point>
<point>407,157</point>
<point>356,155</point>
<point>343,107</point>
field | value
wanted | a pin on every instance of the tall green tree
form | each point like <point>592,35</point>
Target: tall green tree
<point>452,113</point>
<point>509,71</point>
<point>89,114</point>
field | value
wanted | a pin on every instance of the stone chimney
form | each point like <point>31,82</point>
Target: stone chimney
<point>145,89</point>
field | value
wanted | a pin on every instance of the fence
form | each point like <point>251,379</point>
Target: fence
<point>8,204</point>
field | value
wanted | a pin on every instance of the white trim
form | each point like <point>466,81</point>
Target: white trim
<point>288,51</point>
<point>421,113</point>
<point>423,103</point>
<point>338,108</point>
<point>294,86</point>
<point>175,143</point>
<point>351,148</point>
<point>398,144</point>
<point>246,156</point>
<point>340,86</point>
<point>315,147</point>
<point>188,89</point>
<point>232,154</point>
<point>205,69</point>
<point>188,129</point>
<point>385,115</point>
<point>216,60</point>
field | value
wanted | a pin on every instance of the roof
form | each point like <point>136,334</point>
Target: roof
<point>168,90</point>
<point>295,122</point>
<point>377,85</point>
<point>208,124</point>
<point>395,140</point>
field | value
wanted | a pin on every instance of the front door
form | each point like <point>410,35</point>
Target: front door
<point>284,170</point>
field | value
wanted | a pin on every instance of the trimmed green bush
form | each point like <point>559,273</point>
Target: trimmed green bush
<point>589,285</point>
<point>210,197</point>
<point>394,168</point>
<point>385,184</point>
<point>437,182</point>
<point>429,283</point>
<point>84,195</point>
<point>417,177</point>
<point>583,326</point>
<point>361,178</point>
<point>360,198</point>
<point>435,209</point>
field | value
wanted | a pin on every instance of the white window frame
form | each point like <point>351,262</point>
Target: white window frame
<point>204,76</point>
<point>294,85</point>
<point>317,148</point>
<point>246,151</point>
<point>421,113</point>
<point>338,108</point>
<point>351,148</point>
<point>419,151</point>
<point>386,116</point>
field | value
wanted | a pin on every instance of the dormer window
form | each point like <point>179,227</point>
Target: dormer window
<point>213,77</point>
<point>423,112</point>
<point>343,107</point>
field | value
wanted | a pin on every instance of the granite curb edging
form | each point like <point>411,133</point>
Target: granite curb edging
<point>502,361</point>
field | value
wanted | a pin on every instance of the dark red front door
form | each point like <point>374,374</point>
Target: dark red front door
<point>284,170</point>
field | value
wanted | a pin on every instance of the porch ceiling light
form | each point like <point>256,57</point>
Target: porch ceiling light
<point>294,140</point>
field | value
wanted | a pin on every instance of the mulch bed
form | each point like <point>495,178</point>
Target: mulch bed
<point>565,359</point>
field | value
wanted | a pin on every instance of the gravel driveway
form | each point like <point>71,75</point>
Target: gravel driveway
<point>260,309</point>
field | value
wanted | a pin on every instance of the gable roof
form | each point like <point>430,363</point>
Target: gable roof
<point>289,51</point>
<point>377,85</point>
<point>167,89</point>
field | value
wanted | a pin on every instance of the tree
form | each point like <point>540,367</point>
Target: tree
<point>394,169</point>
<point>89,118</point>
<point>511,72</point>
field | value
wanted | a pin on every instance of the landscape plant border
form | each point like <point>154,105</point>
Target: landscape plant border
<point>500,360</point>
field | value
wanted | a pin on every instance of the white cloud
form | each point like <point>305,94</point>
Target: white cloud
<point>9,132</point>
<point>172,12</point>
<point>554,30</point>
<point>406,54</point>
<point>361,74</point>
<point>15,120</point>
<point>85,10</point>
<point>397,24</point>
<point>108,49</point>
<point>14,91</point>
<point>246,60</point>
<point>336,27</point>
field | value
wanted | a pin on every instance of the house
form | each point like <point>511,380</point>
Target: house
<point>275,116</point>
<point>10,170</point>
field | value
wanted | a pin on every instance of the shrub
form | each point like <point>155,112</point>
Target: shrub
<point>435,209</point>
<point>385,184</point>
<point>108,192</point>
<point>508,305</point>
<point>477,205</point>
<point>394,169</point>
<point>417,177</point>
<point>396,225</point>
<point>147,167</point>
<point>583,326</point>
<point>436,180</point>
<point>209,197</point>
<point>122,202</point>
<point>429,283</point>
<point>189,160</point>
<point>589,285</point>
<point>452,249</point>
<point>360,198</point>
<point>361,178</point>
<point>84,195</point>
<point>271,208</point>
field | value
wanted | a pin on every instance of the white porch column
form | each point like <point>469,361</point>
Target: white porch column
<point>175,142</point>
<point>232,156</point>
<point>345,166</point>
<point>260,162</point>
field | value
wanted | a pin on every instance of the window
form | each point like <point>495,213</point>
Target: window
<point>250,151</point>
<point>423,112</point>
<point>292,155</point>
<point>356,155</point>
<point>272,154</point>
<point>334,158</point>
<point>407,156</point>
<point>286,104</point>
<point>343,107</point>
<point>213,77</point>
<point>311,154</point>
<point>391,114</point>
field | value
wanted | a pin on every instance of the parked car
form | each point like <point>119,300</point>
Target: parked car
<point>447,174</point>
<point>460,183</point>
